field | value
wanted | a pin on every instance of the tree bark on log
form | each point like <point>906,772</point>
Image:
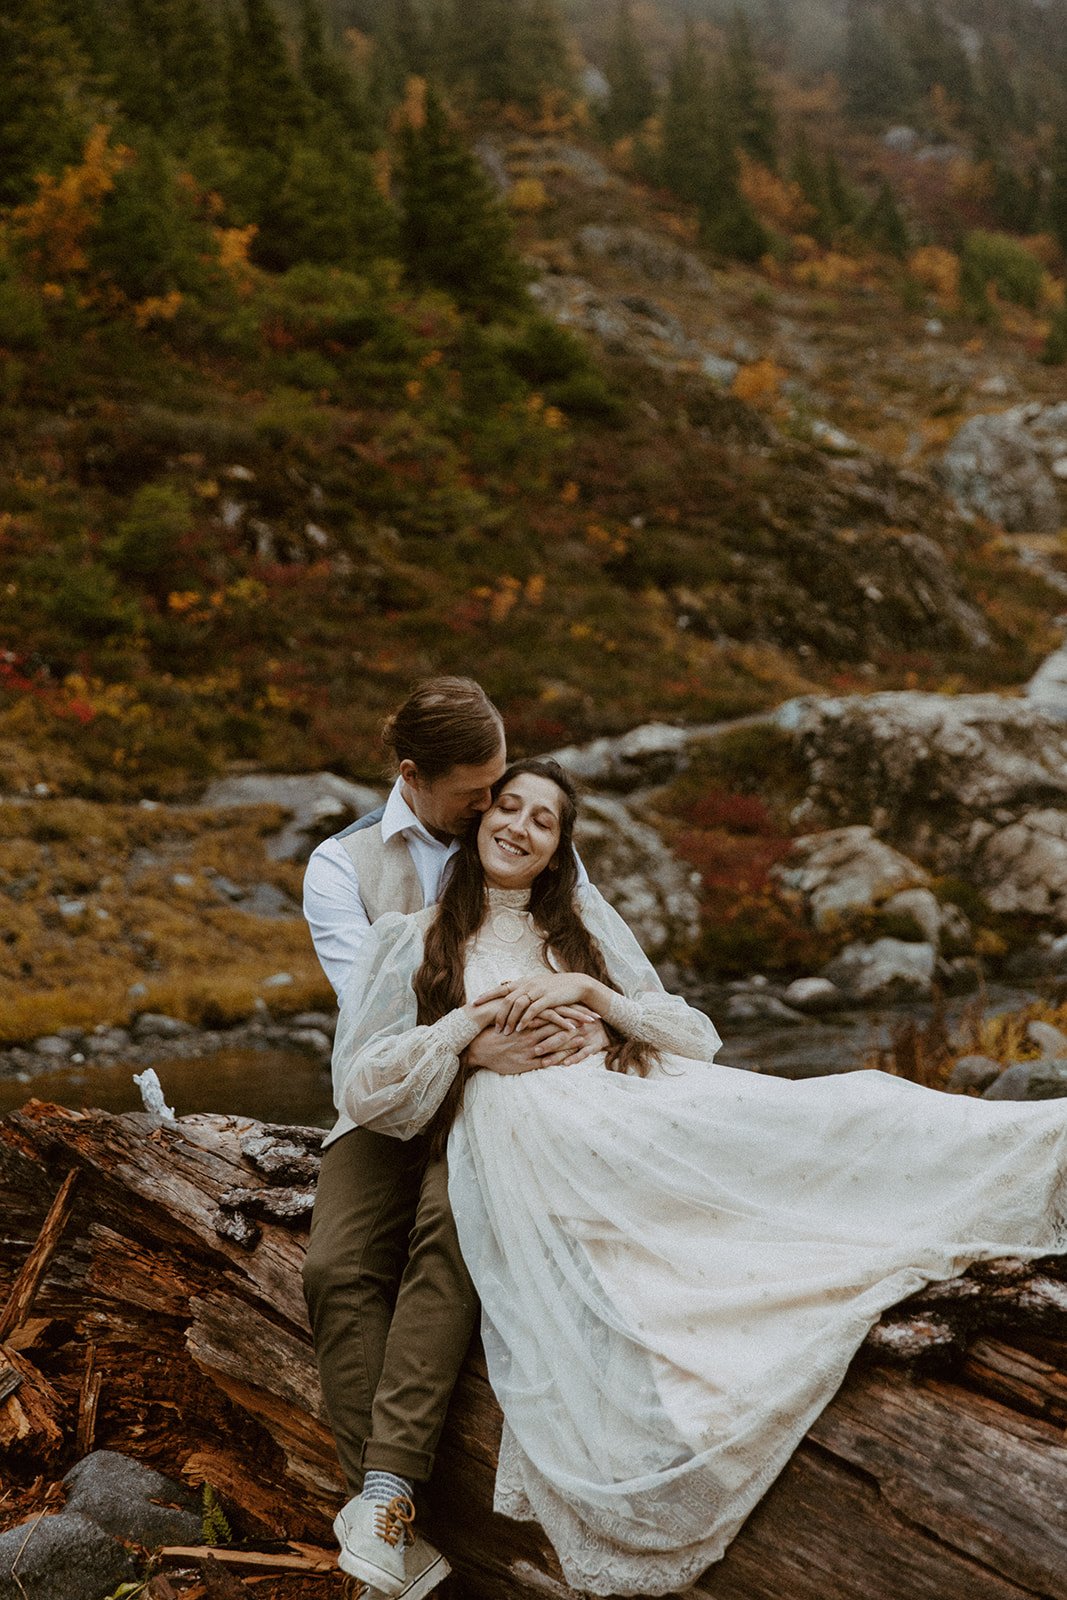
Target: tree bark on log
<point>157,1308</point>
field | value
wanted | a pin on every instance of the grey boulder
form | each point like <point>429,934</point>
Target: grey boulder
<point>1030,1080</point>
<point>65,1557</point>
<point>131,1501</point>
<point>888,969</point>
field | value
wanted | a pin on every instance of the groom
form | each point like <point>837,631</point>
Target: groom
<point>391,1304</point>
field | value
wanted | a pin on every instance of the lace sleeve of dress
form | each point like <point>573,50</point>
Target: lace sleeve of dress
<point>390,1073</point>
<point>644,1010</point>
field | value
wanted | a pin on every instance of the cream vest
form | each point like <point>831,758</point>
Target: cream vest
<point>384,870</point>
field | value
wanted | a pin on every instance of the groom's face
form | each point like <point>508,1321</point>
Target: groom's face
<point>446,805</point>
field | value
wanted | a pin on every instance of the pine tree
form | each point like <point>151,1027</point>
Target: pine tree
<point>875,74</point>
<point>506,51</point>
<point>401,51</point>
<point>540,57</point>
<point>44,113</point>
<point>809,176</point>
<point>745,95</point>
<point>999,101</point>
<point>266,104</point>
<point>633,97</point>
<point>936,54</point>
<point>479,49</point>
<point>688,124</point>
<point>1055,352</point>
<point>325,209</point>
<point>138,73</point>
<point>149,239</point>
<point>842,203</point>
<point>334,88</point>
<point>196,63</point>
<point>728,224</point>
<point>882,224</point>
<point>1057,194</point>
<point>454,235</point>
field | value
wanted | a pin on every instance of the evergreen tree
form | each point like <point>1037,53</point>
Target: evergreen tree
<point>197,66</point>
<point>936,54</point>
<point>150,240</point>
<point>540,57</point>
<point>728,224</point>
<point>688,124</point>
<point>454,235</point>
<point>1057,194</point>
<point>633,98</point>
<point>89,23</point>
<point>842,203</point>
<point>402,51</point>
<point>167,67</point>
<point>999,101</point>
<point>411,35</point>
<point>506,51</point>
<point>1055,352</point>
<point>266,104</point>
<point>334,88</point>
<point>745,95</point>
<point>479,49</point>
<point>875,74</point>
<point>326,209</point>
<point>810,178</point>
<point>882,224</point>
<point>43,114</point>
<point>1015,199</point>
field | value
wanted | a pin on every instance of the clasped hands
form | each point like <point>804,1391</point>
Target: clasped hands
<point>537,1022</point>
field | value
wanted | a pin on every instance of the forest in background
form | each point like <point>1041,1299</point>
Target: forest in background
<point>283,429</point>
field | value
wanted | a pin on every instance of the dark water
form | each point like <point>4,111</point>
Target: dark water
<point>291,1086</point>
<point>273,1085</point>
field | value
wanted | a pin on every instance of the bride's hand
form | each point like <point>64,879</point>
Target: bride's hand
<point>526,1001</point>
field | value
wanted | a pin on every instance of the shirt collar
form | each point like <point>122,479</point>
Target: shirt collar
<point>398,817</point>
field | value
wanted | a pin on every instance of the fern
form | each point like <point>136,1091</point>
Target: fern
<point>215,1529</point>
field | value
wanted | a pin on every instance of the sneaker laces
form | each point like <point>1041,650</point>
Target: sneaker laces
<point>395,1522</point>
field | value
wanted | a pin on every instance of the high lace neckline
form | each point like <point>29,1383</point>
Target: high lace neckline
<point>507,899</point>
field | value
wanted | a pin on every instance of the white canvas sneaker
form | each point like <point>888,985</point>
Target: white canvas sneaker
<point>379,1548</point>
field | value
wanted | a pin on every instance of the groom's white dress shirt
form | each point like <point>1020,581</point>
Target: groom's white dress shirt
<point>333,904</point>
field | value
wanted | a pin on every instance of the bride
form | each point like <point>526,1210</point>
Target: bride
<point>676,1260</point>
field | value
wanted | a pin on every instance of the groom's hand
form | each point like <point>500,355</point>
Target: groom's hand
<point>566,1048</point>
<point>511,1053</point>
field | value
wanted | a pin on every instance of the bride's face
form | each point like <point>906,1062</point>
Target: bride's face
<point>519,834</point>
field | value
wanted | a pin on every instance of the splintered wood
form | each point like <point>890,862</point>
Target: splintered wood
<point>168,1321</point>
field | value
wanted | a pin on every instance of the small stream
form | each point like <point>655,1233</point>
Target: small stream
<point>277,1085</point>
<point>291,1086</point>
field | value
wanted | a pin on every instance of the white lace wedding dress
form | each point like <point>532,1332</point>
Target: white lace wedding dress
<point>676,1270</point>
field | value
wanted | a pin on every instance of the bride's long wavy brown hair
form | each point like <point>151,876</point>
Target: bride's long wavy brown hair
<point>461,910</point>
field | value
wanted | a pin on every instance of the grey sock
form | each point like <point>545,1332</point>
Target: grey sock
<point>386,1486</point>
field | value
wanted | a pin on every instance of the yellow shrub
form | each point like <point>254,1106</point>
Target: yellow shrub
<point>772,198</point>
<point>937,270</point>
<point>758,382</point>
<point>528,196</point>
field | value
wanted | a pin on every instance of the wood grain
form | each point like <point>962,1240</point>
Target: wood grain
<point>939,1472</point>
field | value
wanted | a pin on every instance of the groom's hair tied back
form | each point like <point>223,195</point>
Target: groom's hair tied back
<point>444,723</point>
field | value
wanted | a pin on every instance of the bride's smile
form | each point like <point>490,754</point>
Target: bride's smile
<point>519,834</point>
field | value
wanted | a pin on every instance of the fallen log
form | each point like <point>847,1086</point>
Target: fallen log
<point>160,1308</point>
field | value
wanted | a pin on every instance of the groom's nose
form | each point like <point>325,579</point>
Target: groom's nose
<point>484,800</point>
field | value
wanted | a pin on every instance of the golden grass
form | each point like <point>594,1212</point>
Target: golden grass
<point>199,956</point>
<point>927,1052</point>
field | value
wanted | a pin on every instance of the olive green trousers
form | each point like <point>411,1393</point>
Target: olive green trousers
<point>391,1304</point>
